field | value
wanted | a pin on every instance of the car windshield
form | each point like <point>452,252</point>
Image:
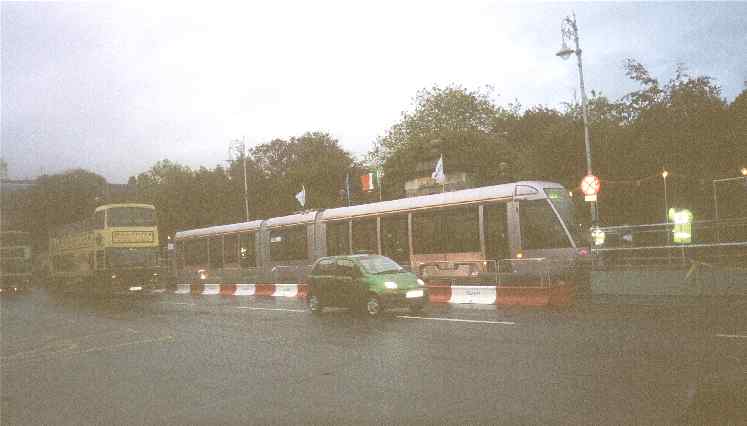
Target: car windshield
<point>379,265</point>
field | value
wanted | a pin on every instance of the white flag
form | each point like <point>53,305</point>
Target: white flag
<point>438,174</point>
<point>301,196</point>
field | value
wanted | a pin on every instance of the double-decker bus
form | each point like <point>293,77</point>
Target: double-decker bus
<point>15,261</point>
<point>116,249</point>
<point>516,234</point>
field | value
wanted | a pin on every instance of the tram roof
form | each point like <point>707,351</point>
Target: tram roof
<point>220,229</point>
<point>464,196</point>
<point>298,218</point>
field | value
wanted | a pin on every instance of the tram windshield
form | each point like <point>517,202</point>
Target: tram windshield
<point>131,216</point>
<point>565,207</point>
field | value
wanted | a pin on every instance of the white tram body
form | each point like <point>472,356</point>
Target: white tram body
<point>515,234</point>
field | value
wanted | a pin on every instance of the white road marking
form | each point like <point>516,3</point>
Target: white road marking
<point>178,303</point>
<point>458,320</point>
<point>271,309</point>
<point>732,336</point>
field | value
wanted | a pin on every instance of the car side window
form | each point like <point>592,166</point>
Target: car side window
<point>325,267</point>
<point>345,268</point>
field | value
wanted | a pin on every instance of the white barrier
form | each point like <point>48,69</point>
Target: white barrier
<point>183,289</point>
<point>210,289</point>
<point>285,290</point>
<point>483,295</point>
<point>245,290</point>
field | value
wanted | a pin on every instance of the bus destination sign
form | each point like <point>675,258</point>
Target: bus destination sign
<point>132,237</point>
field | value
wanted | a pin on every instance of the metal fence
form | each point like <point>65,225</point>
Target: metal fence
<point>722,243</point>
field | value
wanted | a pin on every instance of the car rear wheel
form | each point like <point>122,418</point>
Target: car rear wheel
<point>416,308</point>
<point>373,306</point>
<point>314,304</point>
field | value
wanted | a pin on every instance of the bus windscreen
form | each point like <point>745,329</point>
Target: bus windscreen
<point>131,216</point>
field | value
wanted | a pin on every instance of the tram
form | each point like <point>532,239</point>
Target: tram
<point>515,234</point>
<point>116,249</point>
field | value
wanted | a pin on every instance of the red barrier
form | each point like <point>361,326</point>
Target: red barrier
<point>535,296</point>
<point>227,289</point>
<point>439,293</point>
<point>303,290</point>
<point>264,289</point>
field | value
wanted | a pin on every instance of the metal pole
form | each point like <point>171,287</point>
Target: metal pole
<point>246,189</point>
<point>666,202</point>
<point>587,138</point>
<point>666,219</point>
<point>715,211</point>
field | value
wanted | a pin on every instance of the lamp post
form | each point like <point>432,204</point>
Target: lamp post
<point>664,175</point>
<point>568,31</point>
<point>240,147</point>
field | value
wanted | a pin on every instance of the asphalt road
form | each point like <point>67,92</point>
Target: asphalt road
<point>172,359</point>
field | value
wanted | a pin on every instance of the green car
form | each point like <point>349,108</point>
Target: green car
<point>370,282</point>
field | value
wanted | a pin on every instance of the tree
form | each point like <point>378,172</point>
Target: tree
<point>64,198</point>
<point>468,125</point>
<point>314,160</point>
<point>3,169</point>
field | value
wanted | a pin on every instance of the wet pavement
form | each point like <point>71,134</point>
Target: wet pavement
<point>180,359</point>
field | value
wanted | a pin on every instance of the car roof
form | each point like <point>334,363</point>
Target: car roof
<point>351,256</point>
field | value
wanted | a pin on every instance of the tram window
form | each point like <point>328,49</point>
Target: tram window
<point>364,236</point>
<point>99,219</point>
<point>461,230</point>
<point>195,252</point>
<point>496,232</point>
<point>247,254</point>
<point>288,243</point>
<point>394,237</point>
<point>540,227</point>
<point>426,235</point>
<point>337,238</point>
<point>216,253</point>
<point>230,251</point>
<point>446,231</point>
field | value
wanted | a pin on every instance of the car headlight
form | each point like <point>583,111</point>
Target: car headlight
<point>414,293</point>
<point>421,282</point>
<point>390,285</point>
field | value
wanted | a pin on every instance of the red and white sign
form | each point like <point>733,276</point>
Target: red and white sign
<point>590,185</point>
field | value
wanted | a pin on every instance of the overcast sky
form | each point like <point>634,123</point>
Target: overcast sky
<point>113,88</point>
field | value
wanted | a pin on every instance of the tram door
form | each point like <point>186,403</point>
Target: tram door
<point>496,232</point>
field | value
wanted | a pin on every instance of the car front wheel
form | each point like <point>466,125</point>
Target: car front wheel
<point>373,306</point>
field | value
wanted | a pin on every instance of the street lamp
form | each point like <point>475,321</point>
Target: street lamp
<point>568,31</point>
<point>664,175</point>
<point>240,147</point>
